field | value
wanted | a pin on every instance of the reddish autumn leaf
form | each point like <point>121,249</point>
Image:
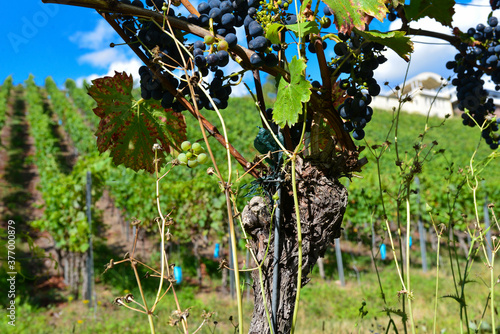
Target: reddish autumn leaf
<point>351,14</point>
<point>128,129</point>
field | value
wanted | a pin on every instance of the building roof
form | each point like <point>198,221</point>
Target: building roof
<point>426,83</point>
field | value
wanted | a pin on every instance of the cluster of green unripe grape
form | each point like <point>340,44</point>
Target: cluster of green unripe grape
<point>271,10</point>
<point>193,155</point>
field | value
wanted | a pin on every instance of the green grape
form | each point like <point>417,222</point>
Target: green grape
<point>197,149</point>
<point>183,159</point>
<point>189,154</point>
<point>209,39</point>
<point>202,158</point>
<point>222,45</point>
<point>192,163</point>
<point>326,22</point>
<point>186,145</point>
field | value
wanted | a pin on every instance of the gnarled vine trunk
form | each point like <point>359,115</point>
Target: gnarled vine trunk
<point>322,202</point>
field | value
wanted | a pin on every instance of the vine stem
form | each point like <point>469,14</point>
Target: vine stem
<point>164,262</point>
<point>386,221</point>
<point>492,293</point>
<point>150,314</point>
<point>409,293</point>
<point>232,232</point>
<point>299,227</point>
<point>162,232</point>
<point>299,241</point>
<point>437,275</point>
<point>488,263</point>
<point>226,185</point>
<point>235,261</point>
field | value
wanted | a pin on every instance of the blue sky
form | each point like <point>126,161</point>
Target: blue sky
<point>71,42</point>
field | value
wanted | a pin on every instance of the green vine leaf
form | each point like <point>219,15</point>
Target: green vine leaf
<point>128,129</point>
<point>351,14</point>
<point>440,10</point>
<point>292,94</point>
<point>395,40</point>
<point>273,32</point>
<point>305,28</point>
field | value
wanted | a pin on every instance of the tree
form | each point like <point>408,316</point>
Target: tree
<point>306,139</point>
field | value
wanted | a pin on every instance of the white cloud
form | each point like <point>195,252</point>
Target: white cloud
<point>430,57</point>
<point>119,59</point>
<point>103,58</point>
<point>130,66</point>
<point>96,39</point>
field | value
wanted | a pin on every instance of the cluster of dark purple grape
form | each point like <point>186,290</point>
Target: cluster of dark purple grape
<point>162,50</point>
<point>210,54</point>
<point>470,65</point>
<point>392,15</point>
<point>358,59</point>
<point>151,88</point>
<point>228,15</point>
<point>495,4</point>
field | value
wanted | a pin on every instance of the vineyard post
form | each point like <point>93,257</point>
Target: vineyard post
<point>487,227</point>
<point>276,259</point>
<point>90,263</point>
<point>340,265</point>
<point>421,229</point>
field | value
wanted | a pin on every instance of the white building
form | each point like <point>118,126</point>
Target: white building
<point>424,92</point>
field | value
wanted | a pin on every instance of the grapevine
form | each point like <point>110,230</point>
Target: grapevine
<point>5,92</point>
<point>308,139</point>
